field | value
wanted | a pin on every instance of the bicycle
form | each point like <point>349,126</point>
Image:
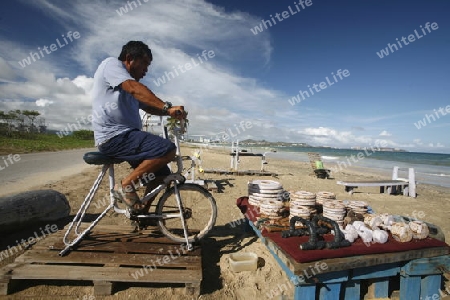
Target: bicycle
<point>185,212</point>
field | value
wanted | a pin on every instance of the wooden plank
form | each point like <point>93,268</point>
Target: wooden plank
<point>352,289</point>
<point>122,274</point>
<point>109,229</point>
<point>241,173</point>
<point>373,183</point>
<point>247,154</point>
<point>429,286</point>
<point>410,287</point>
<point>211,185</point>
<point>120,247</point>
<point>427,266</point>
<point>378,288</point>
<point>334,277</point>
<point>137,239</point>
<point>103,288</point>
<point>305,292</point>
<point>75,257</point>
<point>345,263</point>
<point>330,291</point>
<point>379,271</point>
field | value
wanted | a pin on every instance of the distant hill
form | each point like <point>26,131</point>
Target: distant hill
<point>251,142</point>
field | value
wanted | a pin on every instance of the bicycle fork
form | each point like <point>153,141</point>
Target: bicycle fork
<point>189,245</point>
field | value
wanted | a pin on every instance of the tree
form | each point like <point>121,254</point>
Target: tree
<point>31,115</point>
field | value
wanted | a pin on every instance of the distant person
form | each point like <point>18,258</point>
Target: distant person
<point>117,97</point>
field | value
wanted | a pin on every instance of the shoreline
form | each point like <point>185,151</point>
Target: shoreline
<point>436,175</point>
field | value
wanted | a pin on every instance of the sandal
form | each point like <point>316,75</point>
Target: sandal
<point>121,196</point>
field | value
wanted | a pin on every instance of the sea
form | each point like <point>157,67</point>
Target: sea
<point>430,168</point>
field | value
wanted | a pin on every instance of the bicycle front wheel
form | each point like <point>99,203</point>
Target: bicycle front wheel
<point>199,211</point>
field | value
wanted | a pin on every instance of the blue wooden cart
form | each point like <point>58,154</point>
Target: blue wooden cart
<point>417,272</point>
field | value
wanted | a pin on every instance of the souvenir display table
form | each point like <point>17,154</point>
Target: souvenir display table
<point>374,270</point>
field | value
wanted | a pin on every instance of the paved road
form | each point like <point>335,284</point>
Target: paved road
<point>39,168</point>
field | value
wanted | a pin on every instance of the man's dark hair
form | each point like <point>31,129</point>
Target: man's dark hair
<point>136,49</point>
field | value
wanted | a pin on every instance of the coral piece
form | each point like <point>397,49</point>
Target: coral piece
<point>419,229</point>
<point>401,232</point>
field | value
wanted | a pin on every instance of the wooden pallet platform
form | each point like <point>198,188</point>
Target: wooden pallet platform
<point>241,173</point>
<point>106,256</point>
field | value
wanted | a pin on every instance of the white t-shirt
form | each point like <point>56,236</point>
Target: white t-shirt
<point>114,110</point>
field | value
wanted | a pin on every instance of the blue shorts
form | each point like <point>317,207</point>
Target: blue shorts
<point>135,146</point>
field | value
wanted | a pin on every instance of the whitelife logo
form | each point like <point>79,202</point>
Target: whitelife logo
<point>35,56</point>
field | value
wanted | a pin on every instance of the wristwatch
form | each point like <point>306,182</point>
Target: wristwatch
<point>166,106</point>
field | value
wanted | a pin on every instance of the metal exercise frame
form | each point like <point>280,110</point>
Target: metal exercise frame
<point>176,178</point>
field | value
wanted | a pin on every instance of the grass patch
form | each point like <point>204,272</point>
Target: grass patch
<point>27,143</point>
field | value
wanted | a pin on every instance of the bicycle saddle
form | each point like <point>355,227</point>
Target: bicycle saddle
<point>97,158</point>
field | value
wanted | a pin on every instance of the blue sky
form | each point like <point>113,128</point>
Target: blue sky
<point>249,78</point>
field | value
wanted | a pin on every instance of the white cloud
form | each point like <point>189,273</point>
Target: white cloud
<point>6,72</point>
<point>43,102</point>
<point>417,142</point>
<point>215,93</point>
<point>329,136</point>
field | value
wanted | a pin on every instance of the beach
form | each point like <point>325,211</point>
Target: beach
<point>432,205</point>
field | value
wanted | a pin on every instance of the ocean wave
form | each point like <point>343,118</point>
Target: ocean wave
<point>330,157</point>
<point>440,175</point>
<point>434,174</point>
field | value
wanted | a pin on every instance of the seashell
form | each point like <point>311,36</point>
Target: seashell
<point>272,203</point>
<point>326,195</point>
<point>358,225</point>
<point>401,232</point>
<point>300,209</point>
<point>265,184</point>
<point>350,233</point>
<point>387,219</point>
<point>348,236</point>
<point>419,229</point>
<point>366,235</point>
<point>321,196</point>
<point>265,192</point>
<point>352,229</point>
<point>380,236</point>
<point>372,220</point>
<point>309,202</point>
<point>302,195</point>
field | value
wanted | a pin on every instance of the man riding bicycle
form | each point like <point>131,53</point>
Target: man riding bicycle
<point>117,97</point>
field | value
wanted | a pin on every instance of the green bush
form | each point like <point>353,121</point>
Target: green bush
<point>84,134</point>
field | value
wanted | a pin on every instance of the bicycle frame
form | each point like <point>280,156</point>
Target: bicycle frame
<point>176,178</point>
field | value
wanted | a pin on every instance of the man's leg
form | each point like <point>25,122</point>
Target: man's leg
<point>146,153</point>
<point>146,168</point>
<point>151,185</point>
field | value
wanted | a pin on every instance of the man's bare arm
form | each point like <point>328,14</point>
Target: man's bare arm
<point>154,104</point>
<point>144,95</point>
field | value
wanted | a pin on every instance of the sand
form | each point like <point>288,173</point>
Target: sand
<point>432,205</point>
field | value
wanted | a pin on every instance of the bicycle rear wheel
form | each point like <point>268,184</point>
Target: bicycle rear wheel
<point>199,210</point>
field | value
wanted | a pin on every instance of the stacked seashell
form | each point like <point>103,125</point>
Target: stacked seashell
<point>335,210</point>
<point>322,197</point>
<point>358,207</point>
<point>268,196</point>
<point>302,204</point>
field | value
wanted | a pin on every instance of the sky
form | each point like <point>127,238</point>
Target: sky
<point>327,73</point>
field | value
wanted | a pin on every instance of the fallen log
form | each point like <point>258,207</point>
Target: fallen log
<point>31,208</point>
